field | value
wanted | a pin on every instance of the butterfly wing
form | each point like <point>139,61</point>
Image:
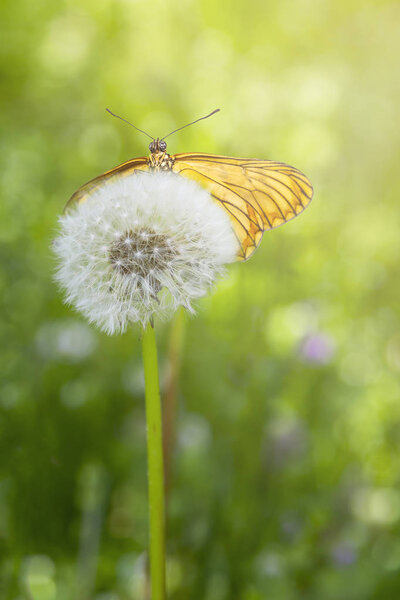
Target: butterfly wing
<point>126,168</point>
<point>257,194</point>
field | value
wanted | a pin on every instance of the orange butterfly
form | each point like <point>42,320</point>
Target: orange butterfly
<point>257,194</point>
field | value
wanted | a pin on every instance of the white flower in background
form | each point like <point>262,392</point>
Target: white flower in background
<point>142,245</point>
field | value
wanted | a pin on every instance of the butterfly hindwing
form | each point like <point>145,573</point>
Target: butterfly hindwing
<point>257,194</point>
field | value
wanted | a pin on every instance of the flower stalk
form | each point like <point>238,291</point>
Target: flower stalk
<point>155,465</point>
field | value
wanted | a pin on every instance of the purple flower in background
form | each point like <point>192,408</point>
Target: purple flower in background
<point>317,348</point>
<point>343,555</point>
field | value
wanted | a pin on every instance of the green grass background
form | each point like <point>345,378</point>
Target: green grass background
<point>285,480</point>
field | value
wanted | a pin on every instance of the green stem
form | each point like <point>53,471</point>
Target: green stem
<point>155,465</point>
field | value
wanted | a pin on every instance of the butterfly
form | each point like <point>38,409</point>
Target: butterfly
<point>258,195</point>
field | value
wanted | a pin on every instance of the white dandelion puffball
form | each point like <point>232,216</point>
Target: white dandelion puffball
<point>142,245</point>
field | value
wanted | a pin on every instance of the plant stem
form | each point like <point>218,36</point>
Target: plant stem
<point>155,465</point>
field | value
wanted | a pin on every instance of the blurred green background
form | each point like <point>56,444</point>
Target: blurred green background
<point>285,472</point>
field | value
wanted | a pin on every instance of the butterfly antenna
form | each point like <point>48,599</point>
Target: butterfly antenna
<point>131,124</point>
<point>201,118</point>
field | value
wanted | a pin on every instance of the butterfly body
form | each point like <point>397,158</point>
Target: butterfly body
<point>160,161</point>
<point>257,194</point>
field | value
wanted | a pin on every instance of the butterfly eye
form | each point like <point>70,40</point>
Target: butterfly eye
<point>152,146</point>
<point>162,145</point>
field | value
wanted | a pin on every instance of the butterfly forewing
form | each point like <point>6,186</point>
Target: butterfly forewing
<point>130,166</point>
<point>257,194</point>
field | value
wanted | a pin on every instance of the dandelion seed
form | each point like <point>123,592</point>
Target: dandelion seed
<point>140,247</point>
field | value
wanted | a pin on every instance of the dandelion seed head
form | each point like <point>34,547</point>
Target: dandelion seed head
<point>141,246</point>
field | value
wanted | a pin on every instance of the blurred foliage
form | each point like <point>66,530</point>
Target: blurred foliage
<point>285,474</point>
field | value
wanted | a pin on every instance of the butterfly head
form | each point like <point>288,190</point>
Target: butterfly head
<point>157,146</point>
